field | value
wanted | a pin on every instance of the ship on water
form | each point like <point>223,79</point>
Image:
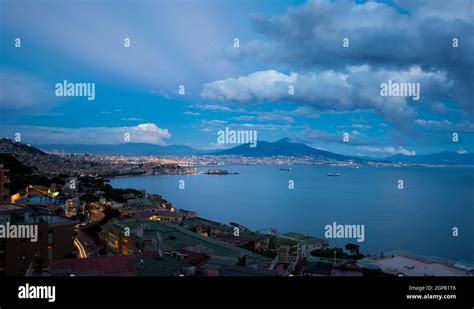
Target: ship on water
<point>285,169</point>
<point>333,174</point>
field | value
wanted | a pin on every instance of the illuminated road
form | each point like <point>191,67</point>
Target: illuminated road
<point>80,247</point>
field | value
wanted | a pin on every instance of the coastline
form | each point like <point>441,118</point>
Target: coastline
<point>200,200</point>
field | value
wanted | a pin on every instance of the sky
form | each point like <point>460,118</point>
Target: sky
<point>335,55</point>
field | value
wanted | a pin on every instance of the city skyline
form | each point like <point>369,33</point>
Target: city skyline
<point>244,83</point>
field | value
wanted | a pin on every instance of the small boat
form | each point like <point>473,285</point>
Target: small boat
<point>285,169</point>
<point>333,174</point>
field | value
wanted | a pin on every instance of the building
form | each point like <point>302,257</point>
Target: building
<point>163,266</point>
<point>207,228</point>
<point>37,191</point>
<point>147,265</point>
<point>55,239</point>
<point>188,213</point>
<point>306,243</point>
<point>317,269</point>
<point>153,213</point>
<point>287,249</point>
<point>117,265</point>
<point>214,268</point>
<point>402,263</point>
<point>127,236</point>
<point>195,259</point>
<point>4,183</point>
<point>50,203</point>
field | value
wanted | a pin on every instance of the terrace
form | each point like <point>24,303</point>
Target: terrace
<point>408,264</point>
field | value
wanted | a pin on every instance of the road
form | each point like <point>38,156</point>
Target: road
<point>80,248</point>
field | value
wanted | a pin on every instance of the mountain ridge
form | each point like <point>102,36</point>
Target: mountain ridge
<point>440,158</point>
<point>281,147</point>
<point>122,149</point>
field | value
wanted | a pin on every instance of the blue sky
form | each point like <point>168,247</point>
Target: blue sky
<point>281,43</point>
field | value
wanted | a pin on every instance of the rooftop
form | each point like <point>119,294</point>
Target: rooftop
<point>39,200</point>
<point>160,266</point>
<point>411,266</point>
<point>318,268</point>
<point>51,219</point>
<point>11,207</point>
<point>193,222</point>
<point>245,271</point>
<point>105,265</point>
<point>14,212</point>
<point>193,257</point>
<point>174,237</point>
<point>235,241</point>
<point>306,238</point>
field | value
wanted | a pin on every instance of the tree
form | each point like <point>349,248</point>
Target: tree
<point>110,213</point>
<point>329,253</point>
<point>89,198</point>
<point>38,266</point>
<point>353,248</point>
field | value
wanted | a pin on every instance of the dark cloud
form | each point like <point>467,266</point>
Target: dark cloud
<point>354,89</point>
<point>416,33</point>
<point>310,136</point>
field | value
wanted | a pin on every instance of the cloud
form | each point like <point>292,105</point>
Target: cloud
<point>389,150</point>
<point>142,133</point>
<point>91,34</point>
<point>454,9</point>
<point>269,116</point>
<point>302,111</point>
<point>357,88</point>
<point>309,38</point>
<point>18,90</point>
<point>244,118</point>
<point>189,113</point>
<point>356,126</point>
<point>320,135</point>
<point>117,110</point>
<point>259,86</point>
<point>446,125</point>
<point>438,108</point>
<point>131,119</point>
<point>216,108</point>
<point>283,116</point>
<point>212,126</point>
<point>266,127</point>
<point>273,116</point>
<point>310,135</point>
<point>160,93</point>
